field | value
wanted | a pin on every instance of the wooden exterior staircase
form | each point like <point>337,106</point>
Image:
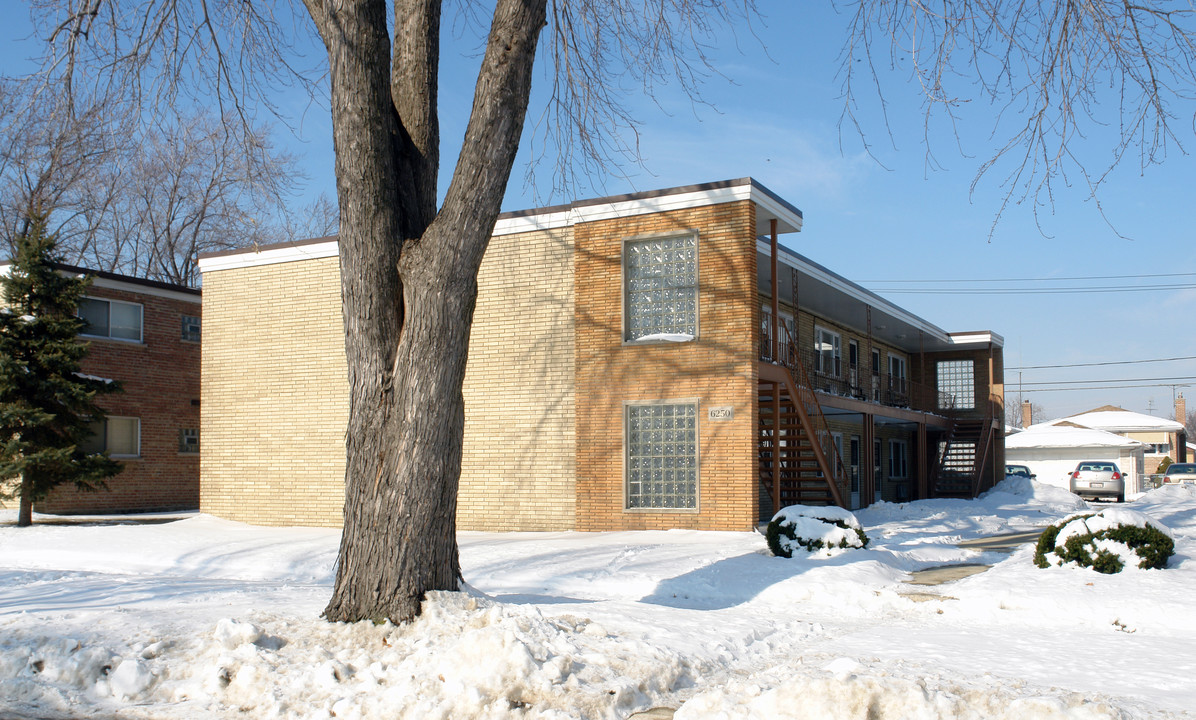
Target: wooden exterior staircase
<point>795,468</point>
<point>963,453</point>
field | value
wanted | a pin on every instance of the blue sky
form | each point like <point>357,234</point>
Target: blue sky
<point>887,221</point>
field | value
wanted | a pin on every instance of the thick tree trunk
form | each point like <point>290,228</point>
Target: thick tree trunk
<point>409,284</point>
<point>25,512</point>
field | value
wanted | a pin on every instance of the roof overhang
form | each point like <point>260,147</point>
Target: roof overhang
<point>828,294</point>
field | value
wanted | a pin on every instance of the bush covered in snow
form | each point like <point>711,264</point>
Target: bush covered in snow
<point>813,528</point>
<point>1106,542</point>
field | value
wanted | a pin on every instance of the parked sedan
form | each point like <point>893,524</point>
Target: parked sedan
<point>1095,479</point>
<point>1020,470</point>
<point>1180,473</point>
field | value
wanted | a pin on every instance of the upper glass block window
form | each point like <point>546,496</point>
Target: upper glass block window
<point>957,384</point>
<point>662,456</point>
<point>661,284</point>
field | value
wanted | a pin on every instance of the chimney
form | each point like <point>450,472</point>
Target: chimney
<point>1181,437</point>
<point>1027,420</point>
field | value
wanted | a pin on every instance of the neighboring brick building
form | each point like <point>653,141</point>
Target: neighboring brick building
<point>621,375</point>
<point>145,334</point>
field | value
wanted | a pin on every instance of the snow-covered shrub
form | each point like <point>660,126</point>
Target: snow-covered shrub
<point>813,528</point>
<point>1106,542</point>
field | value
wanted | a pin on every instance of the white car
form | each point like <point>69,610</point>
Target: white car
<point>1180,473</point>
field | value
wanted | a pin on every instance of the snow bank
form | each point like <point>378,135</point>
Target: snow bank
<point>848,696</point>
<point>207,618</point>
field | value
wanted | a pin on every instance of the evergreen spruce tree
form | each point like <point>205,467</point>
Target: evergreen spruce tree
<point>47,407</point>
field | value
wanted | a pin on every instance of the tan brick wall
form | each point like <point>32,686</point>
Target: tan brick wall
<point>275,394</point>
<point>718,369</point>
<point>517,468</point>
<point>275,397</point>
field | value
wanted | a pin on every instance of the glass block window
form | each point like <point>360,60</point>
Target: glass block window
<point>189,440</point>
<point>661,284</point>
<point>662,456</point>
<point>111,318</point>
<point>191,328</point>
<point>957,384</point>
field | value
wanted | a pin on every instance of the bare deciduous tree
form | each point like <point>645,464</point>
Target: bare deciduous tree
<point>1055,72</point>
<point>123,197</point>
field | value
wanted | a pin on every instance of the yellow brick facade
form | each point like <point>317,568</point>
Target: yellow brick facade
<point>274,404</point>
<point>717,369</point>
<point>517,467</point>
<point>275,397</point>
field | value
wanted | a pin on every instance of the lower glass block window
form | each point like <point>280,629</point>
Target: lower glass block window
<point>662,456</point>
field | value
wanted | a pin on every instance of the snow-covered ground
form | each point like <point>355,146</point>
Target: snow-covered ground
<point>203,618</point>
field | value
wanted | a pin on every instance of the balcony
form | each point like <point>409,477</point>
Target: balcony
<point>829,374</point>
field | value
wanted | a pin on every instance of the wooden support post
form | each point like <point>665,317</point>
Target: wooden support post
<point>776,291</point>
<point>922,491</point>
<point>867,466</point>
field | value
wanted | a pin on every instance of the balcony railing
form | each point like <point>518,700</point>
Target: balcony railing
<point>831,375</point>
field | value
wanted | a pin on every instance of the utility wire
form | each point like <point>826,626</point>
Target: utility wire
<point>1107,380</point>
<point>1105,387</point>
<point>1030,291</point>
<point>1051,279</point>
<point>1096,364</point>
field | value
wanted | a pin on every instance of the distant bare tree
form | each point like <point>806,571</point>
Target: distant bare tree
<point>123,197</point>
<point>317,219</point>
<point>1013,414</point>
<point>1055,72</point>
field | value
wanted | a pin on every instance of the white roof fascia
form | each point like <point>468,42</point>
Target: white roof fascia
<point>769,204</point>
<point>269,256</point>
<point>856,293</point>
<point>969,338</point>
<point>531,223</point>
<point>644,206</point>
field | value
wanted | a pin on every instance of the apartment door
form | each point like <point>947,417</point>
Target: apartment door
<point>877,469</point>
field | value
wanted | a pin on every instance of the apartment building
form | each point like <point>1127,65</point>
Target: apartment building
<point>146,335</point>
<point>630,367</point>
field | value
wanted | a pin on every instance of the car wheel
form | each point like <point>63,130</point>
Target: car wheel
<point>1121,497</point>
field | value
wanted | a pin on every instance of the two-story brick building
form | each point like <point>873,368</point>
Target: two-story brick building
<point>146,335</point>
<point>625,372</point>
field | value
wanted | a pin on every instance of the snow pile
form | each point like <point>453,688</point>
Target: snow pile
<point>848,695</point>
<point>1107,541</point>
<point>466,657</point>
<point>202,617</point>
<point>823,529</point>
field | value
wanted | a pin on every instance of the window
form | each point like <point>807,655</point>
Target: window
<point>661,287</point>
<point>191,328</point>
<point>662,456</point>
<point>957,387</point>
<point>828,352</point>
<point>111,319</point>
<point>897,381</point>
<point>189,441</point>
<point>898,459</point>
<point>119,436</point>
